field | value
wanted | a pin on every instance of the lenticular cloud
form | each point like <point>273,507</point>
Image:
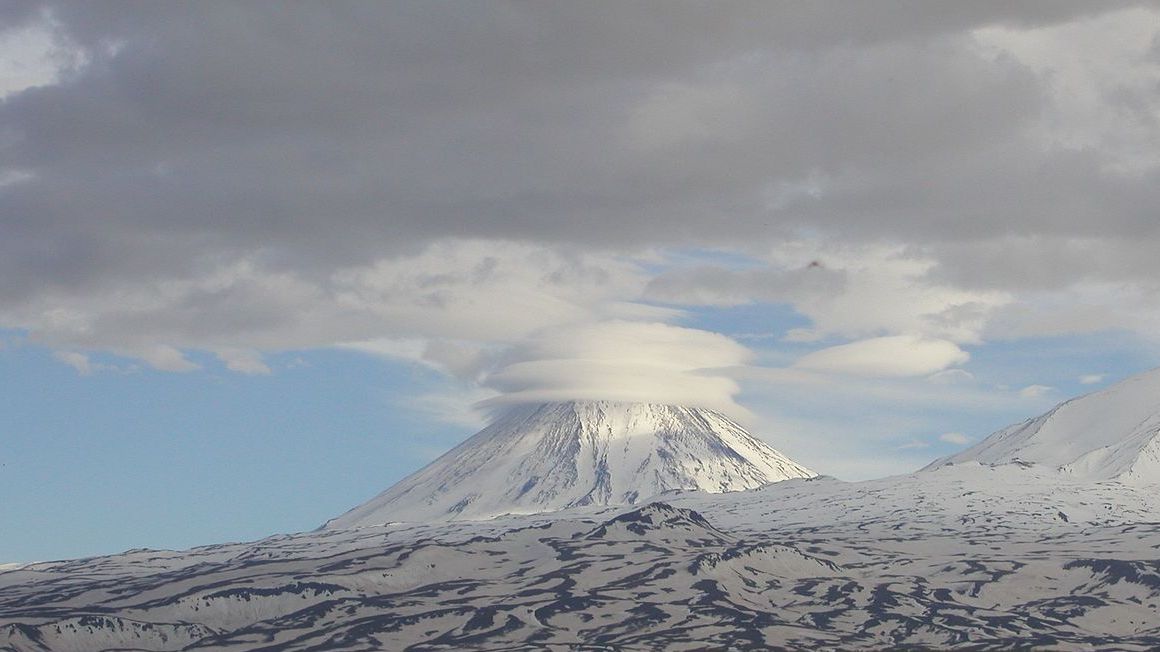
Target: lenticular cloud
<point>622,361</point>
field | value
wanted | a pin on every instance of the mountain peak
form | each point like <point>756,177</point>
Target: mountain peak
<point>1111,434</point>
<point>551,456</point>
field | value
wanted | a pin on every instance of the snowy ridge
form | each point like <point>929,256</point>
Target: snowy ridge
<point>555,456</point>
<point>969,556</point>
<point>1106,435</point>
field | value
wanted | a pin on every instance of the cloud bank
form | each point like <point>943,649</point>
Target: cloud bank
<point>213,175</point>
<point>450,184</point>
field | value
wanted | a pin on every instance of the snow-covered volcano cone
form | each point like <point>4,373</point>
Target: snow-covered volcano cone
<point>553,456</point>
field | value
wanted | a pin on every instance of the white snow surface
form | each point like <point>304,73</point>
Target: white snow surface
<point>1110,434</point>
<point>547,457</point>
<point>968,556</point>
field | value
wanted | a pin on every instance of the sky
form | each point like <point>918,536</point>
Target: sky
<point>257,262</point>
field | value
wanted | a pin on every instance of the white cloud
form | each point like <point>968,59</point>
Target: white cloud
<point>486,290</point>
<point>457,405</point>
<point>395,348</point>
<point>892,356</point>
<point>76,360</point>
<point>1036,391</point>
<point>84,364</point>
<point>1092,379</point>
<point>887,289</point>
<point>1101,71</point>
<point>1086,307</point>
<point>243,361</point>
<point>32,57</point>
<point>849,290</point>
<point>956,438</point>
<point>626,361</point>
<point>464,360</point>
<point>473,293</point>
<point>164,358</point>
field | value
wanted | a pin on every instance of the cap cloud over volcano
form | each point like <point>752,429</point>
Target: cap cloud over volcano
<point>622,361</point>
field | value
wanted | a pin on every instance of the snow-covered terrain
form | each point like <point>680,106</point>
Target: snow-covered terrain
<point>999,554</point>
<point>990,557</point>
<point>548,457</point>
<point>1110,434</point>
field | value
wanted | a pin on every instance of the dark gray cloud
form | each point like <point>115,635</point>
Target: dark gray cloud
<point>307,140</point>
<point>724,287</point>
<point>1039,263</point>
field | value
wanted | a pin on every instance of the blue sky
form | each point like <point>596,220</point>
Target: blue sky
<point>257,263</point>
<point>100,463</point>
<point>145,458</point>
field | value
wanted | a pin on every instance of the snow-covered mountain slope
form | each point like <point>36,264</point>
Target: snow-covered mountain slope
<point>554,456</point>
<point>994,553</point>
<point>968,556</point>
<point>1110,434</point>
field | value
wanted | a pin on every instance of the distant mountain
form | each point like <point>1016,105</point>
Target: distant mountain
<point>1112,434</point>
<point>554,456</point>
<point>1000,550</point>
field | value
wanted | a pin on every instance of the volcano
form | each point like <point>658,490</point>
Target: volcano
<point>548,457</point>
<point>1008,549</point>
